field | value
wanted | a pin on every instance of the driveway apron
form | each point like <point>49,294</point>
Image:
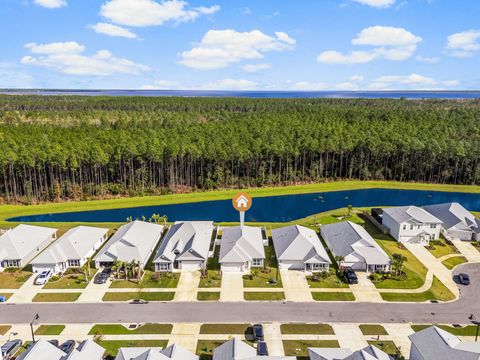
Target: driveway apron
<point>365,291</point>
<point>232,286</point>
<point>295,286</point>
<point>187,287</point>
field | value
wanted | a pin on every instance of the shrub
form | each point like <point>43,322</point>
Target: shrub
<point>376,277</point>
<point>54,278</point>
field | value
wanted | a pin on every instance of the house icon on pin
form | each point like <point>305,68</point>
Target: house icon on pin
<point>242,202</point>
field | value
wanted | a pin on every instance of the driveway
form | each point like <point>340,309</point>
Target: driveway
<point>94,293</point>
<point>467,250</point>
<point>232,286</point>
<point>365,291</point>
<point>349,336</point>
<point>27,292</point>
<point>295,286</point>
<point>187,287</point>
<point>273,338</point>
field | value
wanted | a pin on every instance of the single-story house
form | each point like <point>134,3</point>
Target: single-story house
<point>134,241</point>
<point>411,224</point>
<point>368,353</point>
<point>457,222</point>
<point>355,246</point>
<point>172,352</point>
<point>434,343</point>
<point>43,350</point>
<point>185,246</point>
<point>22,243</point>
<point>299,248</point>
<point>72,249</point>
<point>241,248</point>
<point>236,349</point>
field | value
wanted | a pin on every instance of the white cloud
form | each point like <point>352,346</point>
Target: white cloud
<point>463,44</point>
<point>224,84</point>
<point>221,48</point>
<point>112,30</point>
<point>51,4</point>
<point>388,43</point>
<point>412,81</point>
<point>68,58</point>
<point>161,85</point>
<point>151,13</point>
<point>307,86</point>
<point>347,85</point>
<point>245,10</point>
<point>428,60</point>
<point>356,78</point>
<point>376,3</point>
<point>251,68</point>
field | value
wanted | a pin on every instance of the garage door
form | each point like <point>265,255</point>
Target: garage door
<point>232,267</point>
<point>42,267</point>
<point>190,265</point>
<point>292,265</point>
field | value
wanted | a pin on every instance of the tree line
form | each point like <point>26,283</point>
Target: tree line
<point>72,147</point>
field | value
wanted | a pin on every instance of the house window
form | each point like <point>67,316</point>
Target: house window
<point>411,227</point>
<point>433,226</point>
<point>404,227</point>
<point>318,266</point>
<point>74,263</point>
<point>163,266</point>
<point>419,226</point>
<point>257,262</point>
<point>13,263</point>
<point>432,237</point>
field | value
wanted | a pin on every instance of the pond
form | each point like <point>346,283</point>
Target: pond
<point>268,209</point>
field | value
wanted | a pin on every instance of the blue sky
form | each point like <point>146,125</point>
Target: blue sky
<point>258,44</point>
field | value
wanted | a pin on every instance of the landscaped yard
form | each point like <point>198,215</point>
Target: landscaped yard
<point>332,281</point>
<point>469,330</point>
<point>236,329</point>
<point>212,280</point>
<point>13,280</point>
<point>438,291</point>
<point>373,329</point>
<point>333,296</point>
<point>208,296</point>
<point>260,277</point>
<point>205,348</point>
<point>111,346</point>
<point>307,329</point>
<point>386,346</point>
<point>56,297</point>
<point>300,347</point>
<point>440,248</point>
<point>163,280</point>
<point>74,281</point>
<point>264,296</point>
<point>4,329</point>
<point>49,330</point>
<point>148,296</point>
<point>118,329</point>
<point>450,263</point>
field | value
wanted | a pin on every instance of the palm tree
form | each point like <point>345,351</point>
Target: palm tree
<point>398,261</point>
<point>155,218</point>
<point>349,213</point>
<point>86,270</point>
<point>164,218</point>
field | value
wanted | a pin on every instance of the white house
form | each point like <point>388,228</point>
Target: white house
<point>299,248</point>
<point>236,349</point>
<point>354,244</point>
<point>241,248</point>
<point>172,352</point>
<point>185,246</point>
<point>411,224</point>
<point>22,243</point>
<point>457,222</point>
<point>72,249</point>
<point>134,241</point>
<point>44,350</point>
<point>368,353</point>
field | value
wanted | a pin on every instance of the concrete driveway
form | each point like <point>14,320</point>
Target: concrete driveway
<point>365,291</point>
<point>27,292</point>
<point>467,250</point>
<point>295,286</point>
<point>187,287</point>
<point>232,286</point>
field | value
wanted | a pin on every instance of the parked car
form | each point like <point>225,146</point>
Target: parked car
<point>262,349</point>
<point>68,346</point>
<point>54,342</point>
<point>258,332</point>
<point>10,348</point>
<point>351,276</point>
<point>464,279</point>
<point>102,276</point>
<point>43,278</point>
<point>138,301</point>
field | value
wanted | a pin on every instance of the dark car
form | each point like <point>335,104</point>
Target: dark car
<point>350,276</point>
<point>262,349</point>
<point>138,301</point>
<point>103,276</point>
<point>464,279</point>
<point>54,342</point>
<point>68,346</point>
<point>10,348</point>
<point>258,332</point>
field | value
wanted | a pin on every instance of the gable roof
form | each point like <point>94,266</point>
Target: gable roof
<point>74,244</point>
<point>346,237</point>
<point>236,349</point>
<point>172,352</point>
<point>186,238</point>
<point>87,350</point>
<point>436,344</point>
<point>23,239</point>
<point>241,243</point>
<point>405,213</point>
<point>42,350</point>
<point>298,243</point>
<point>176,352</point>
<point>367,353</point>
<point>132,241</point>
<point>454,215</point>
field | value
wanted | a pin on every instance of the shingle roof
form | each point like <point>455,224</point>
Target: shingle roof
<point>454,215</point>
<point>87,350</point>
<point>172,352</point>
<point>236,349</point>
<point>240,244</point>
<point>176,352</point>
<point>405,213</point>
<point>23,239</point>
<point>42,350</point>
<point>368,353</point>
<point>74,244</point>
<point>186,238</point>
<point>298,243</point>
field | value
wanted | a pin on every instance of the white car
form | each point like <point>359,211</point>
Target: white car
<point>43,278</point>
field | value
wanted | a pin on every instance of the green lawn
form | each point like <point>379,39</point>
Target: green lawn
<point>74,281</point>
<point>469,330</point>
<point>441,250</point>
<point>111,346</point>
<point>373,329</point>
<point>148,296</point>
<point>388,347</point>
<point>300,347</point>
<point>165,280</point>
<point>259,278</point>
<point>450,263</point>
<point>13,280</point>
<point>234,329</point>
<point>333,296</point>
<point>56,297</point>
<point>264,296</point>
<point>332,281</point>
<point>307,329</point>
<point>212,280</point>
<point>205,348</point>
<point>208,296</point>
<point>118,329</point>
<point>438,291</point>
<point>4,329</point>
<point>49,330</point>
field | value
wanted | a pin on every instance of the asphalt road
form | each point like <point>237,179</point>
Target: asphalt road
<point>251,312</point>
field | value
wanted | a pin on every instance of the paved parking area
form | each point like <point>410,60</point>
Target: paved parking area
<point>295,286</point>
<point>232,286</point>
<point>365,291</point>
<point>187,287</point>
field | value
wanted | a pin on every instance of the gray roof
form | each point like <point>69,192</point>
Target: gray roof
<point>74,244</point>
<point>22,240</point>
<point>172,352</point>
<point>241,244</point>
<point>368,353</point>
<point>236,349</point>
<point>186,239</point>
<point>87,350</point>
<point>346,237</point>
<point>298,243</point>
<point>454,215</point>
<point>434,343</point>
<point>42,350</point>
<point>405,213</point>
<point>132,241</point>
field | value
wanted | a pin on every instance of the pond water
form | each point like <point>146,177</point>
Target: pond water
<point>268,209</point>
